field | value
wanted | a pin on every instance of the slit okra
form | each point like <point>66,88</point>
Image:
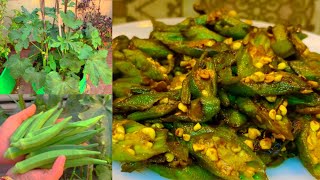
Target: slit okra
<point>227,73</point>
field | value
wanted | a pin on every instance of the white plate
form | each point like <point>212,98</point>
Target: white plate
<point>290,169</point>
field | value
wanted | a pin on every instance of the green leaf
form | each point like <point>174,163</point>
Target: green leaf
<point>93,34</point>
<point>21,44</point>
<point>56,85</point>
<point>34,77</point>
<point>52,62</point>
<point>85,52</point>
<point>69,20</point>
<point>97,67</point>
<point>17,65</point>
<point>71,62</point>
<point>95,38</point>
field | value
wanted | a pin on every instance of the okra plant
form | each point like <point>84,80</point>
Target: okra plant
<point>4,49</point>
<point>62,50</point>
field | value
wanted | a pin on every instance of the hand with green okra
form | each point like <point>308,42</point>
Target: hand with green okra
<point>7,129</point>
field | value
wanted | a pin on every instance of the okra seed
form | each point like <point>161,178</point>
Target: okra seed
<point>183,107</point>
<point>119,136</point>
<point>198,147</point>
<point>228,41</point>
<point>209,43</point>
<point>269,78</point>
<point>204,74</point>
<point>205,93</point>
<point>212,154</point>
<point>236,45</point>
<point>318,116</point>
<point>282,66</point>
<point>131,151</point>
<point>163,70</point>
<point>283,110</point>
<point>306,91</point>
<point>258,65</point>
<point>250,171</point>
<point>314,84</point>
<point>232,13</point>
<point>278,117</point>
<point>164,101</point>
<point>266,59</point>
<point>314,125</point>
<point>197,127</point>
<point>249,143</point>
<point>253,133</point>
<point>265,143</point>
<point>149,144</point>
<point>272,114</point>
<point>236,148</point>
<point>285,103</point>
<point>278,78</point>
<point>150,132</point>
<point>169,157</point>
<point>179,132</point>
<point>186,137</point>
<point>120,129</point>
<point>170,56</point>
<point>271,98</point>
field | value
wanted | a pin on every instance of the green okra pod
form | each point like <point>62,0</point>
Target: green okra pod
<point>39,122</point>
<point>61,147</point>
<point>79,162</point>
<point>49,157</point>
<point>23,128</point>
<point>80,138</point>
<point>41,138</point>
<point>52,120</point>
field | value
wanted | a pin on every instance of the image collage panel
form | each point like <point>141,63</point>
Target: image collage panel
<point>55,89</point>
<point>159,89</point>
<point>216,89</point>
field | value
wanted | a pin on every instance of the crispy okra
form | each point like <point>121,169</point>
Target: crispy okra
<point>214,88</point>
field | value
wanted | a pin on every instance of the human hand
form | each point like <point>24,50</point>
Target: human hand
<point>8,128</point>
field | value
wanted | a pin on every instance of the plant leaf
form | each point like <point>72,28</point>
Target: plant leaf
<point>71,62</point>
<point>85,52</point>
<point>17,65</point>
<point>34,77</point>
<point>97,67</point>
<point>56,85</point>
<point>70,20</point>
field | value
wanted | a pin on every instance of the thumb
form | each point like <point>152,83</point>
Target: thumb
<point>14,121</point>
<point>57,169</point>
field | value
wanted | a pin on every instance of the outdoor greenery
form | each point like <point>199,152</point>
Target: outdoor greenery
<point>61,51</point>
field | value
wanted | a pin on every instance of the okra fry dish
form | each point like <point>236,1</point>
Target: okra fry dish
<point>214,97</point>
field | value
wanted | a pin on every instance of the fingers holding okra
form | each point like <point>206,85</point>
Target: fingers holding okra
<point>41,139</point>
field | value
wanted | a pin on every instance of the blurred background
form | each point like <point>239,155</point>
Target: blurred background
<point>303,12</point>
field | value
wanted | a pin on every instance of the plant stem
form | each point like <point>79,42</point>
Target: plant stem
<point>59,18</point>
<point>76,9</point>
<point>65,11</point>
<point>22,104</point>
